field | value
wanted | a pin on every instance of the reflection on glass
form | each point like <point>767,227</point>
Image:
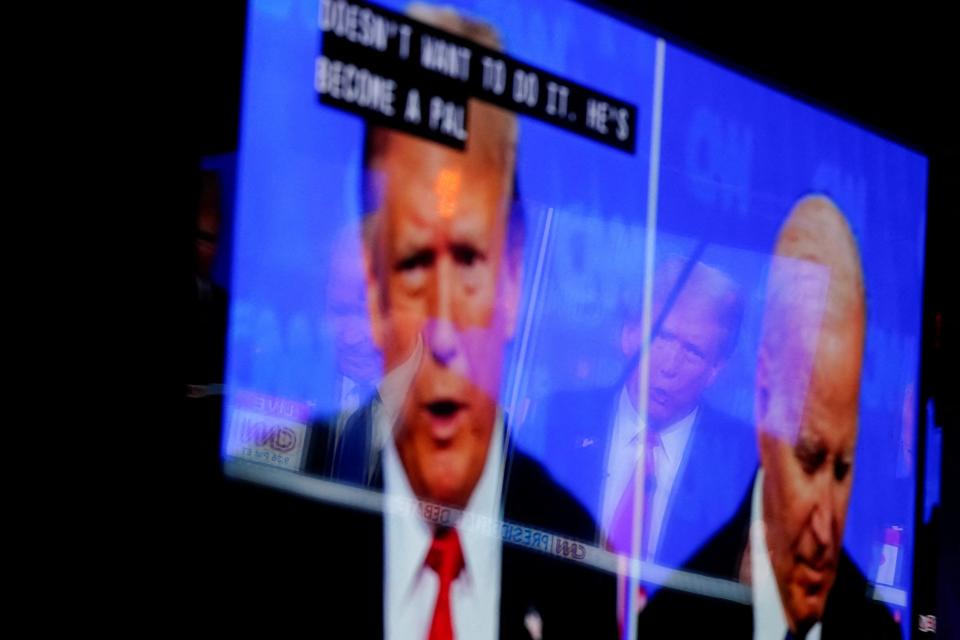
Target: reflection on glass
<point>459,378</point>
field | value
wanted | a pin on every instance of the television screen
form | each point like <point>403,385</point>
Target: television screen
<point>563,327</point>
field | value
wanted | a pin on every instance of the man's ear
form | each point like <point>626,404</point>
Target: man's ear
<point>761,396</point>
<point>512,279</point>
<point>630,338</point>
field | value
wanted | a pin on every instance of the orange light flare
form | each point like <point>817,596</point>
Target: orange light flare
<point>447,190</point>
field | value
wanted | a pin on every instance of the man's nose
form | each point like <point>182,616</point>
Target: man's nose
<point>823,515</point>
<point>440,336</point>
<point>440,333</point>
<point>668,358</point>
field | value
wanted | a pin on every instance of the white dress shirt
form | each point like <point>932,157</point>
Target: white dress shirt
<point>769,619</point>
<point>624,454</point>
<point>410,587</point>
<point>350,398</point>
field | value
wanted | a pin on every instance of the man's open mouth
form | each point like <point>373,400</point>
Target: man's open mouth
<point>813,573</point>
<point>658,395</point>
<point>444,408</point>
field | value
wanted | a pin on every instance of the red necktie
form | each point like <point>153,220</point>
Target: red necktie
<point>620,538</point>
<point>621,526</point>
<point>446,558</point>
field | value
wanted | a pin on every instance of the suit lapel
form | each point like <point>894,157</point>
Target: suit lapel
<point>592,447</point>
<point>682,500</point>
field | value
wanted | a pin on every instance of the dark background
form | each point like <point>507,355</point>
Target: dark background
<point>890,70</point>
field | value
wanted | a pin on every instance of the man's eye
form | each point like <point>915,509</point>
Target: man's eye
<point>418,260</point>
<point>841,468</point>
<point>811,459</point>
<point>664,338</point>
<point>693,353</point>
<point>466,255</point>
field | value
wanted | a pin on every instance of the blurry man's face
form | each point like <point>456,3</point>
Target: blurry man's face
<point>684,360</point>
<point>205,244</point>
<point>807,479</point>
<point>443,276</point>
<point>357,357</point>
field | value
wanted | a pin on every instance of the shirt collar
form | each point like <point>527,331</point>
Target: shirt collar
<point>347,385</point>
<point>673,438</point>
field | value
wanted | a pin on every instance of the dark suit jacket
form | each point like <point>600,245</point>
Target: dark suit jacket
<point>206,334</point>
<point>327,562</point>
<point>344,455</point>
<point>719,461</point>
<point>676,613</point>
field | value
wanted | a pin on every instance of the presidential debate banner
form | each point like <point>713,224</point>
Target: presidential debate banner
<point>482,241</point>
